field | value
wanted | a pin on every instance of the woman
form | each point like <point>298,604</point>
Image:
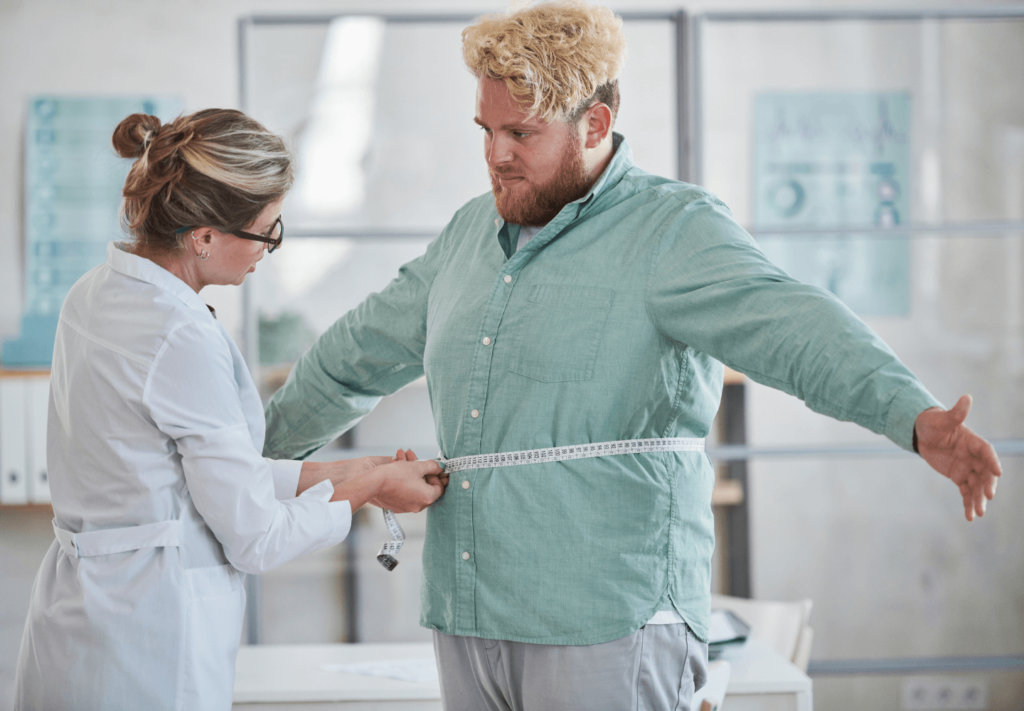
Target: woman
<point>160,493</point>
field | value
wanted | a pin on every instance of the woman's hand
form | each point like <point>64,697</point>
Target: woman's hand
<point>400,483</point>
<point>407,455</point>
<point>409,485</point>
<point>340,471</point>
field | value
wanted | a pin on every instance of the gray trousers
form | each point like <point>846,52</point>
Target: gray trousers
<point>656,668</point>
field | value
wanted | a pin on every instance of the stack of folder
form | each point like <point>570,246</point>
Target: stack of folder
<point>727,629</point>
<point>24,400</point>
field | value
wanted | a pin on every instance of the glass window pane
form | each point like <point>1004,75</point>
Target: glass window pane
<point>380,116</point>
<point>965,134</point>
<point>880,542</point>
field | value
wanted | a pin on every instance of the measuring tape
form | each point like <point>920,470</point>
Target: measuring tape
<point>389,551</point>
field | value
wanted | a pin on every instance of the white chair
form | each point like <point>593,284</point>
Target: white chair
<point>712,694</point>
<point>785,626</point>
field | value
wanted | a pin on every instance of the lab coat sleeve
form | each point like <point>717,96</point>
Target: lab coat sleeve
<point>286,477</point>
<point>192,396</point>
<point>372,351</point>
<point>712,289</point>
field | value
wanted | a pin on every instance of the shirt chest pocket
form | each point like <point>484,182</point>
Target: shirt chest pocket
<point>560,331</point>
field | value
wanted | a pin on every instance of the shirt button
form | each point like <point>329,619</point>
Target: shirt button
<point>465,485</point>
<point>474,414</point>
<point>465,555</point>
<point>487,340</point>
<point>508,278</point>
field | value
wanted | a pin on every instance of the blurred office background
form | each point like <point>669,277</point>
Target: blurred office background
<point>881,157</point>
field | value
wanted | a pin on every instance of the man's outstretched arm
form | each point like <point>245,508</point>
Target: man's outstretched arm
<point>714,290</point>
<point>955,451</point>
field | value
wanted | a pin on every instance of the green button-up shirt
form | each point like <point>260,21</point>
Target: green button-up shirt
<point>612,323</point>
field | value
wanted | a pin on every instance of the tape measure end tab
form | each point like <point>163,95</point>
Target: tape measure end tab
<point>388,561</point>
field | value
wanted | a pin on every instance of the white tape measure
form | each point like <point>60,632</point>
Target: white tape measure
<point>389,551</point>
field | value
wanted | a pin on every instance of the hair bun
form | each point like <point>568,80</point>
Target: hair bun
<point>134,134</point>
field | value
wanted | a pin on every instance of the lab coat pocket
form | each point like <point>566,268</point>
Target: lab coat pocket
<point>216,604</point>
<point>560,331</point>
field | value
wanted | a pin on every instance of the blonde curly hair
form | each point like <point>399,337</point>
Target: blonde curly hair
<point>553,57</point>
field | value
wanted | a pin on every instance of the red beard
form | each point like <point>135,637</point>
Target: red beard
<point>535,206</point>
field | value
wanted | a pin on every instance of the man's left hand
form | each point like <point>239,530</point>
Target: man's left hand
<point>955,451</point>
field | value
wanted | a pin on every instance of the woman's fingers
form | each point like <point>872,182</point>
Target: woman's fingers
<point>409,486</point>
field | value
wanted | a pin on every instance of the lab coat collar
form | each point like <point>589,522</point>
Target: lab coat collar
<point>121,260</point>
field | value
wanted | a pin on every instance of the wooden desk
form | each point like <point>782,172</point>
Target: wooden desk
<point>279,677</point>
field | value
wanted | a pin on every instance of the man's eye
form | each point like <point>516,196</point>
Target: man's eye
<point>520,134</point>
<point>485,129</point>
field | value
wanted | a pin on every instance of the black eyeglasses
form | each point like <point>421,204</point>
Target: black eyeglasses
<point>274,237</point>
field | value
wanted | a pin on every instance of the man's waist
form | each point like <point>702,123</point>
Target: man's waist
<point>573,452</point>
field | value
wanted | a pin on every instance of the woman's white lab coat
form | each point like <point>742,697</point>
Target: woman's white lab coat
<point>161,497</point>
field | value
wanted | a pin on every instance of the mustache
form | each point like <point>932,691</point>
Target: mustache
<point>504,173</point>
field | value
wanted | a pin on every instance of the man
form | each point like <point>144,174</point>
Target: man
<point>586,301</point>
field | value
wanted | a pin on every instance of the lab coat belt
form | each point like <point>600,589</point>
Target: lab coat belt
<point>118,540</point>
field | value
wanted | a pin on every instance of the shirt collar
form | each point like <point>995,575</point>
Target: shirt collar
<point>619,165</point>
<point>121,260</point>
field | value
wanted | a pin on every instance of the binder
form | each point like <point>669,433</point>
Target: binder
<point>38,404</point>
<point>13,470</point>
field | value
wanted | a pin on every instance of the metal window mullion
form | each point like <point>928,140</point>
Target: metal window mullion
<point>912,665</point>
<point>855,15</point>
<point>684,125</point>
<point>697,92</point>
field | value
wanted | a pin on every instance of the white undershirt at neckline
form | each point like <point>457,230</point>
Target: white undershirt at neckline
<point>526,234</point>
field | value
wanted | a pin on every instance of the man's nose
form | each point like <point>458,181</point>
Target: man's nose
<point>499,151</point>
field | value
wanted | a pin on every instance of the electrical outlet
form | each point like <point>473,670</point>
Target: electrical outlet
<point>933,693</point>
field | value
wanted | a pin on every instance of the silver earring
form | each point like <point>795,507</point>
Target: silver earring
<point>193,234</point>
<point>204,256</point>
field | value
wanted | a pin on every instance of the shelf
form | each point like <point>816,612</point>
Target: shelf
<point>727,492</point>
<point>40,373</point>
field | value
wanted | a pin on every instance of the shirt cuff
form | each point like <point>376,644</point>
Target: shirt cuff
<point>909,402</point>
<point>286,477</point>
<point>339,513</point>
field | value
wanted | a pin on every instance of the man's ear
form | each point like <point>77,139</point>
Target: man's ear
<point>598,124</point>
